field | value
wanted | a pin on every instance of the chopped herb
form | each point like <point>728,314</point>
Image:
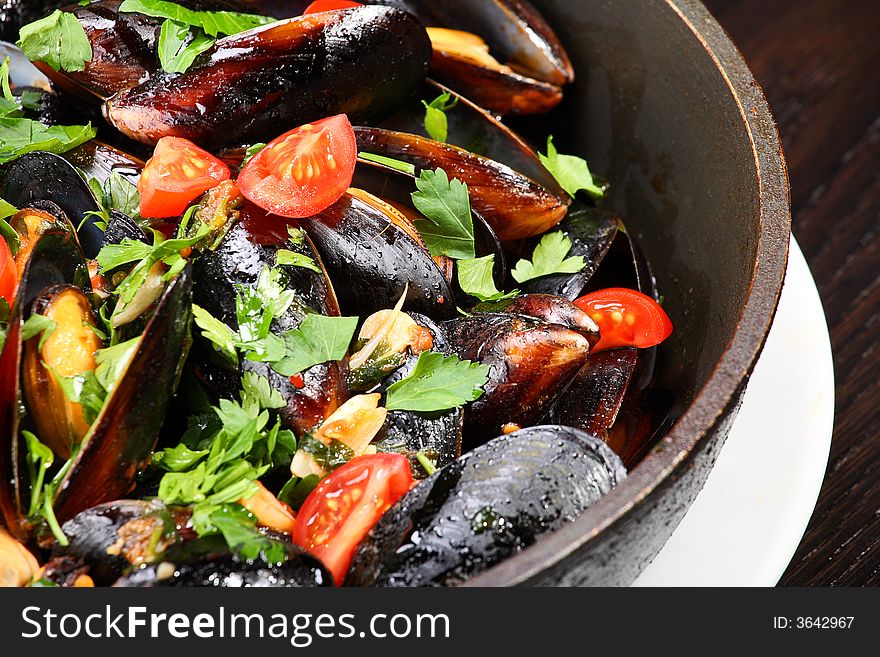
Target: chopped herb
<point>251,151</point>
<point>550,257</point>
<point>127,251</point>
<point>449,227</point>
<point>293,259</point>
<point>427,464</point>
<point>239,529</point>
<point>319,339</point>
<point>438,383</point>
<point>58,40</point>
<point>390,162</point>
<point>20,136</point>
<point>475,277</point>
<point>35,325</point>
<point>436,123</point>
<point>328,456</point>
<point>179,46</point>
<point>224,339</point>
<point>570,171</point>
<point>222,458</point>
<point>214,23</point>
<point>297,490</point>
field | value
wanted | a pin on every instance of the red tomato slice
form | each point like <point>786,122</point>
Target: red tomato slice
<point>177,174</point>
<point>329,5</point>
<point>303,171</point>
<point>8,273</point>
<point>338,514</point>
<point>626,318</point>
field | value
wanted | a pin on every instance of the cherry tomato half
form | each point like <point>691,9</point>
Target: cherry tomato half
<point>626,318</point>
<point>346,504</point>
<point>178,173</point>
<point>8,273</point>
<point>303,171</point>
<point>329,5</point>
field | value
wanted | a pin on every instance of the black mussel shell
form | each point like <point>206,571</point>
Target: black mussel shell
<point>489,504</point>
<point>376,261</point>
<point>592,232</point>
<point>42,176</point>
<point>207,562</point>
<point>546,307</point>
<point>113,537</point>
<point>530,363</point>
<point>436,435</point>
<point>249,87</point>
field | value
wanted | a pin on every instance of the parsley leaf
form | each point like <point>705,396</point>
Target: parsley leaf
<point>293,259</point>
<point>19,136</point>
<point>35,325</point>
<point>179,46</point>
<point>438,383</point>
<point>449,227</point>
<point>251,151</point>
<point>214,23</point>
<point>58,40</point>
<point>255,389</point>
<point>127,251</point>
<point>239,529</point>
<point>319,339</point>
<point>436,123</point>
<point>549,258</point>
<point>475,278</point>
<point>390,162</point>
<point>570,171</point>
<point>224,339</point>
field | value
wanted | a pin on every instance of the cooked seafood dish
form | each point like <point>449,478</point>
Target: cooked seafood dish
<point>285,302</point>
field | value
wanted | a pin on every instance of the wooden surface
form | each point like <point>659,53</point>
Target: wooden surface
<point>819,64</point>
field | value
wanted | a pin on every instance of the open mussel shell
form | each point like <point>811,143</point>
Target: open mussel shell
<point>489,504</point>
<point>436,435</point>
<point>592,232</point>
<point>68,351</point>
<point>123,436</point>
<point>378,260</point>
<point>362,62</point>
<point>594,398</point>
<point>43,176</point>
<point>515,206</point>
<point>534,63</point>
<point>55,259</point>
<point>251,245</point>
<point>396,188</point>
<point>530,362</point>
<point>208,562</point>
<point>111,538</point>
<point>473,129</point>
<point>99,161</point>
<point>546,307</point>
<point>123,51</point>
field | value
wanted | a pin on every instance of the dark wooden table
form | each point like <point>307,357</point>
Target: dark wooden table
<point>819,64</point>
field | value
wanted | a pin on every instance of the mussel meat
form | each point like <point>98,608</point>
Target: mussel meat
<point>489,504</point>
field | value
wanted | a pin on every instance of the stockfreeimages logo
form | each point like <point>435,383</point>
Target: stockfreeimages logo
<point>300,630</point>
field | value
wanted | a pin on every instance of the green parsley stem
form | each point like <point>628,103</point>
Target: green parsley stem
<point>426,463</point>
<point>49,514</point>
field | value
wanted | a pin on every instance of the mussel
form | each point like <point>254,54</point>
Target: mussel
<point>248,248</point>
<point>473,129</point>
<point>42,176</point>
<point>515,206</point>
<point>119,441</point>
<point>500,53</point>
<point>546,307</point>
<point>435,435</point>
<point>530,363</point>
<point>592,232</point>
<point>208,562</point>
<point>363,62</point>
<point>380,257</point>
<point>489,504</point>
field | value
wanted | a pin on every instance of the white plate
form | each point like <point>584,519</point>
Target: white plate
<point>748,520</point>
